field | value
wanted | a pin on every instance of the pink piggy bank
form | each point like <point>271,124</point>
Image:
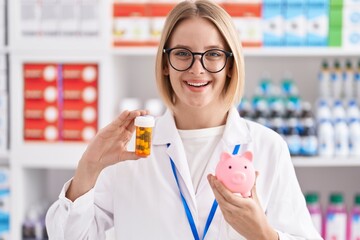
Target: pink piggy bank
<point>237,172</point>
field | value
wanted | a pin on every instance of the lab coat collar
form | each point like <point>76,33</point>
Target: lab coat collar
<point>166,134</point>
<point>236,130</point>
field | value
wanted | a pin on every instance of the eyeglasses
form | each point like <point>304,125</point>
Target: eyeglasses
<point>182,59</point>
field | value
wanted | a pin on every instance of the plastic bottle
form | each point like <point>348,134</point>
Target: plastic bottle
<point>354,228</point>
<point>336,218</point>
<point>293,138</point>
<point>354,137</point>
<point>324,80</point>
<point>144,125</point>
<point>245,108</point>
<point>326,138</point>
<point>336,81</point>
<point>352,111</point>
<point>323,111</point>
<point>348,80</point>
<point>309,140</point>
<point>341,132</point>
<point>357,80</point>
<point>338,111</point>
<point>313,205</point>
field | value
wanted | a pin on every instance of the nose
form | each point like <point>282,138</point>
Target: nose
<point>197,67</point>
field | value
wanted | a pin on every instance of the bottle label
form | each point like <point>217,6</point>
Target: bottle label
<point>355,227</point>
<point>336,226</point>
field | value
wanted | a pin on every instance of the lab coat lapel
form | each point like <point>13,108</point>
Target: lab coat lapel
<point>166,134</point>
<point>236,132</point>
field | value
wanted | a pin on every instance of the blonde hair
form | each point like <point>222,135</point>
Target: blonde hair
<point>220,18</point>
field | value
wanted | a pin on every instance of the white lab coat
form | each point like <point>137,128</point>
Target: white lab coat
<point>141,199</point>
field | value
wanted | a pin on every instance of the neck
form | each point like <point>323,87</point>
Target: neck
<point>194,118</point>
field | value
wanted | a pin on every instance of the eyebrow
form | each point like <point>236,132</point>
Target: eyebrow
<point>207,47</point>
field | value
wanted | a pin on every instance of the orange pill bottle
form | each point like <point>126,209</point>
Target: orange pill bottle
<point>144,126</point>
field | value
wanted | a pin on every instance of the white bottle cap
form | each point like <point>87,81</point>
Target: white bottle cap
<point>49,73</point>
<point>88,115</point>
<point>51,114</point>
<point>89,74</point>
<point>89,94</point>
<point>50,94</point>
<point>51,133</point>
<point>88,133</point>
<point>145,121</point>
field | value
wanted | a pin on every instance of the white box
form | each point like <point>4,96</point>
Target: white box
<point>295,23</point>
<point>30,18</point>
<point>351,16</point>
<point>351,37</point>
<point>3,81</point>
<point>69,18</point>
<point>89,18</point>
<point>50,17</point>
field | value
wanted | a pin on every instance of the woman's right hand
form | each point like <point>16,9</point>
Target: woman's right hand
<point>108,147</point>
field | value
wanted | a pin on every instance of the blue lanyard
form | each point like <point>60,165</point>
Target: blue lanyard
<point>186,206</point>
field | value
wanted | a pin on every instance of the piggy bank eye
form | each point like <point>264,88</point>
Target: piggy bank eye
<point>245,167</point>
<point>230,167</point>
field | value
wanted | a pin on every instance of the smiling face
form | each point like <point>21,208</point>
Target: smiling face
<point>196,87</point>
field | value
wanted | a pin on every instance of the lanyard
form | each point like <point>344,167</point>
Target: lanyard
<point>186,206</point>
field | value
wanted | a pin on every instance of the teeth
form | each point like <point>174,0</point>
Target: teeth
<point>197,84</point>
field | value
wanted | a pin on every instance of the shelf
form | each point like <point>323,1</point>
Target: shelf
<point>257,52</point>
<point>49,155</point>
<point>4,49</point>
<point>329,162</point>
<point>4,156</point>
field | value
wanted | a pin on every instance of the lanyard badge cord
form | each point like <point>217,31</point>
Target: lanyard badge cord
<point>186,206</point>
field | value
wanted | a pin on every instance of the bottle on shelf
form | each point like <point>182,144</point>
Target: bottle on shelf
<point>336,218</point>
<point>341,131</point>
<point>309,140</point>
<point>324,79</point>
<point>314,207</point>
<point>325,130</point>
<point>336,81</point>
<point>292,137</point>
<point>348,79</point>
<point>354,228</point>
<point>354,137</point>
<point>357,80</point>
<point>352,111</point>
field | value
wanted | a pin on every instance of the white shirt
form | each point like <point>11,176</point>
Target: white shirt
<point>140,199</point>
<point>199,145</point>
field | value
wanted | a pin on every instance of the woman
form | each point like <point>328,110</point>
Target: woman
<point>170,194</point>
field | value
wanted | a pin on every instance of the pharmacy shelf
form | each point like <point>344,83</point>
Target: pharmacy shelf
<point>49,155</point>
<point>3,156</point>
<point>4,50</point>
<point>326,162</point>
<point>257,52</point>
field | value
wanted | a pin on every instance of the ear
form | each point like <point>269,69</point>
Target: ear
<point>224,156</point>
<point>166,70</point>
<point>248,155</point>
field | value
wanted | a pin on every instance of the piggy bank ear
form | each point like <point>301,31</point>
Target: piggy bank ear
<point>248,155</point>
<point>224,156</point>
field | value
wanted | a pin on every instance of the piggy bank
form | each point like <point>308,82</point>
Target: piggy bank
<point>237,172</point>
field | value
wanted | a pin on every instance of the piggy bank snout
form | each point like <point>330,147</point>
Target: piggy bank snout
<point>238,177</point>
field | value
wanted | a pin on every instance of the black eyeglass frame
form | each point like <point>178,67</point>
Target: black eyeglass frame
<point>227,54</point>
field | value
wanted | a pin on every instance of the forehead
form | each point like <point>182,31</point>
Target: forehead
<point>196,33</point>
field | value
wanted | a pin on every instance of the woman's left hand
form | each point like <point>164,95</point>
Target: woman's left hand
<point>245,215</point>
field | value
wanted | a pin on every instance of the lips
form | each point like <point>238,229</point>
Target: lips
<point>197,83</point>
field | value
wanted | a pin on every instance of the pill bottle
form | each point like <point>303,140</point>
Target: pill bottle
<point>144,125</point>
